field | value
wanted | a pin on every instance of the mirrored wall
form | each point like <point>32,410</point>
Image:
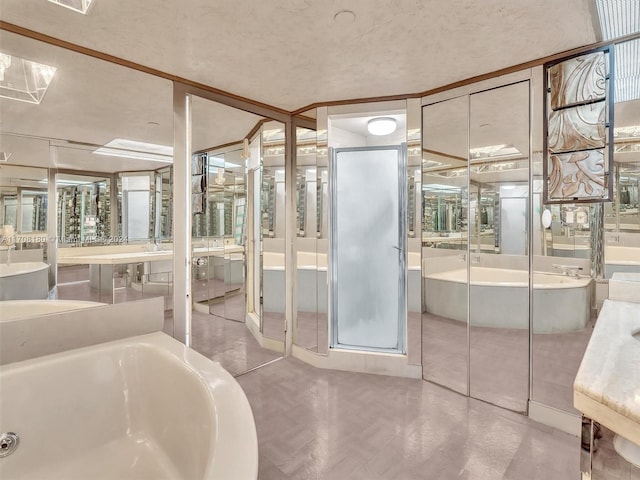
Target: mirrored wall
<point>237,235</point>
<point>102,135</point>
<point>475,238</point>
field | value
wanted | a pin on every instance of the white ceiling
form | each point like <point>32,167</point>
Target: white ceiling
<point>291,53</point>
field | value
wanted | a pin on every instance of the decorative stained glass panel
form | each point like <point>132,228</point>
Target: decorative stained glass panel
<point>577,128</point>
<point>578,141</point>
<point>578,80</point>
<point>577,175</point>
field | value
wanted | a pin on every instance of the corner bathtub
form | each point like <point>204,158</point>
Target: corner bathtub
<point>24,281</point>
<point>142,407</point>
<point>15,309</point>
<point>500,298</point>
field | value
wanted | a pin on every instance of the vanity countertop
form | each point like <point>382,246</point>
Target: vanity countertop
<point>607,386</point>
<point>115,257</point>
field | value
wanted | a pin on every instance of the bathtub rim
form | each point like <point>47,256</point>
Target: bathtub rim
<point>35,267</point>
<point>570,282</point>
<point>73,305</point>
<point>232,423</point>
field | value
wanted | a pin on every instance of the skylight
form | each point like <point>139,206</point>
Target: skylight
<point>76,5</point>
<point>617,19</point>
<point>121,147</point>
<point>24,80</point>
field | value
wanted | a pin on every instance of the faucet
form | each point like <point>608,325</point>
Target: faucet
<point>569,270</point>
<point>9,248</point>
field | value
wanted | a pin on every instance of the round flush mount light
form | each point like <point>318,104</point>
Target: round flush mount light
<point>381,126</point>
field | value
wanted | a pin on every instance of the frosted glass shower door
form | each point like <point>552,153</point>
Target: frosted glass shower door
<point>368,300</point>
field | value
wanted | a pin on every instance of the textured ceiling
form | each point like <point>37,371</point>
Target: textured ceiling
<point>291,53</point>
<point>286,53</point>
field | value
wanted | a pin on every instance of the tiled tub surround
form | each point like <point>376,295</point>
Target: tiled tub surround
<point>607,386</point>
<point>141,407</point>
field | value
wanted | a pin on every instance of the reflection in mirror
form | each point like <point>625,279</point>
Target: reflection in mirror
<point>97,121</point>
<point>444,193</point>
<point>568,245</point>
<point>499,246</point>
<point>226,244</point>
<point>24,259</point>
<point>309,273</point>
<point>622,217</point>
<point>273,217</point>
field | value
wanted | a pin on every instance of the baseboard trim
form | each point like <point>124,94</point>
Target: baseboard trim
<point>567,422</point>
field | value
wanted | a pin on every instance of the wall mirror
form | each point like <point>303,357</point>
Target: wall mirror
<point>94,126</point>
<point>273,218</point>
<point>622,216</point>
<point>571,248</point>
<point>499,249</point>
<point>475,244</point>
<point>236,184</point>
<point>444,239</point>
<point>309,274</point>
<point>23,219</point>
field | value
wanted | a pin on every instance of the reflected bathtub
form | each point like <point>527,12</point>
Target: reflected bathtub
<point>141,407</point>
<point>499,298</point>
<point>311,278</point>
<point>24,281</point>
<point>15,309</point>
<point>621,259</point>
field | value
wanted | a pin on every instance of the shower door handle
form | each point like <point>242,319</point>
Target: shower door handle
<point>396,247</point>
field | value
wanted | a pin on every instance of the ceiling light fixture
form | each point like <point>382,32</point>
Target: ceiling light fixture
<point>76,5</point>
<point>121,147</point>
<point>381,126</point>
<point>24,80</point>
<point>493,151</point>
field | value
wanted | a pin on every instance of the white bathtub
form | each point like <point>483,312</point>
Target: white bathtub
<point>500,298</point>
<point>142,407</point>
<point>24,281</point>
<point>621,259</point>
<point>14,309</point>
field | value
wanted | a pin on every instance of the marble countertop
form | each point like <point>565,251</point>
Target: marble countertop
<point>607,386</point>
